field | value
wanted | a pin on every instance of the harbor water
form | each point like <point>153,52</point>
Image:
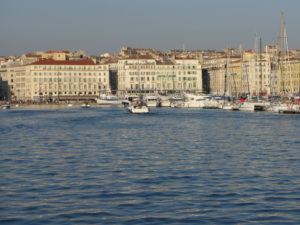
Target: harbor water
<point>103,165</point>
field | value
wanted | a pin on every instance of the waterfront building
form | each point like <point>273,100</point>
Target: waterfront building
<point>53,80</point>
<point>189,74</point>
<point>289,76</point>
<point>136,73</point>
<point>254,73</point>
<point>3,90</point>
<point>7,84</point>
<point>146,74</point>
<point>224,74</point>
<point>63,75</point>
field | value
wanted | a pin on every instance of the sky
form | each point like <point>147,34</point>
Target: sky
<point>100,26</point>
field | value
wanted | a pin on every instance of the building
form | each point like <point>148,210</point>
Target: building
<point>137,73</point>
<point>145,74</point>
<point>56,80</point>
<point>253,73</point>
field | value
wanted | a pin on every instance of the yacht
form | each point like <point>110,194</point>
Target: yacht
<point>285,108</point>
<point>108,99</point>
<point>198,101</point>
<point>138,107</point>
<point>254,106</point>
<point>229,106</point>
<point>151,100</point>
<point>176,101</point>
<point>164,101</point>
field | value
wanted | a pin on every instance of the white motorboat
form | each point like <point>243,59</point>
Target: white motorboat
<point>198,101</point>
<point>164,101</point>
<point>108,99</point>
<point>176,101</point>
<point>151,100</point>
<point>285,108</point>
<point>229,106</point>
<point>6,106</point>
<point>85,105</point>
<point>128,100</point>
<point>138,107</point>
<point>254,106</point>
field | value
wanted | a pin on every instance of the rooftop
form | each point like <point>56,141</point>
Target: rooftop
<point>57,51</point>
<point>64,62</point>
<point>140,57</point>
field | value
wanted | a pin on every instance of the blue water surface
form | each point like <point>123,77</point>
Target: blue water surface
<point>173,166</point>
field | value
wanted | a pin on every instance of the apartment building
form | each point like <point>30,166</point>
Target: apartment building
<point>7,81</point>
<point>288,78</point>
<point>254,73</point>
<point>52,80</point>
<point>146,74</point>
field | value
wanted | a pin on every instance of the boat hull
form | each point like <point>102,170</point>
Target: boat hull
<point>5,106</point>
<point>138,109</point>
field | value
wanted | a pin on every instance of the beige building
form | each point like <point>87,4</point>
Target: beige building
<point>144,73</point>
<point>288,78</point>
<point>49,79</point>
<point>224,75</point>
<point>254,73</point>
<point>7,84</point>
<point>188,74</point>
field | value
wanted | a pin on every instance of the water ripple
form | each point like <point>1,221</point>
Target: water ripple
<point>173,166</point>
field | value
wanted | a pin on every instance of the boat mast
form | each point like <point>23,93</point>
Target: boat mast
<point>227,89</point>
<point>283,52</point>
<point>139,78</point>
<point>256,50</point>
<point>260,67</point>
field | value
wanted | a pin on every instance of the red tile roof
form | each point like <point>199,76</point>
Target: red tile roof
<point>64,62</point>
<point>33,55</point>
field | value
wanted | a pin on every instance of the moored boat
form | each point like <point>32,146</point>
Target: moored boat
<point>6,106</point>
<point>198,101</point>
<point>254,106</point>
<point>151,101</point>
<point>108,99</point>
<point>85,105</point>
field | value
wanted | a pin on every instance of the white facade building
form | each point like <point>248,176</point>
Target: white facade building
<point>145,74</point>
<point>49,79</point>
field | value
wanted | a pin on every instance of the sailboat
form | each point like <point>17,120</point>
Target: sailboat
<point>283,56</point>
<point>255,103</point>
<point>227,104</point>
<point>138,106</point>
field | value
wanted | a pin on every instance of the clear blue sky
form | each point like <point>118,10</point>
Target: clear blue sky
<point>99,26</point>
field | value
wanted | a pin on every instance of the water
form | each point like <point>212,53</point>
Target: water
<point>173,166</point>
